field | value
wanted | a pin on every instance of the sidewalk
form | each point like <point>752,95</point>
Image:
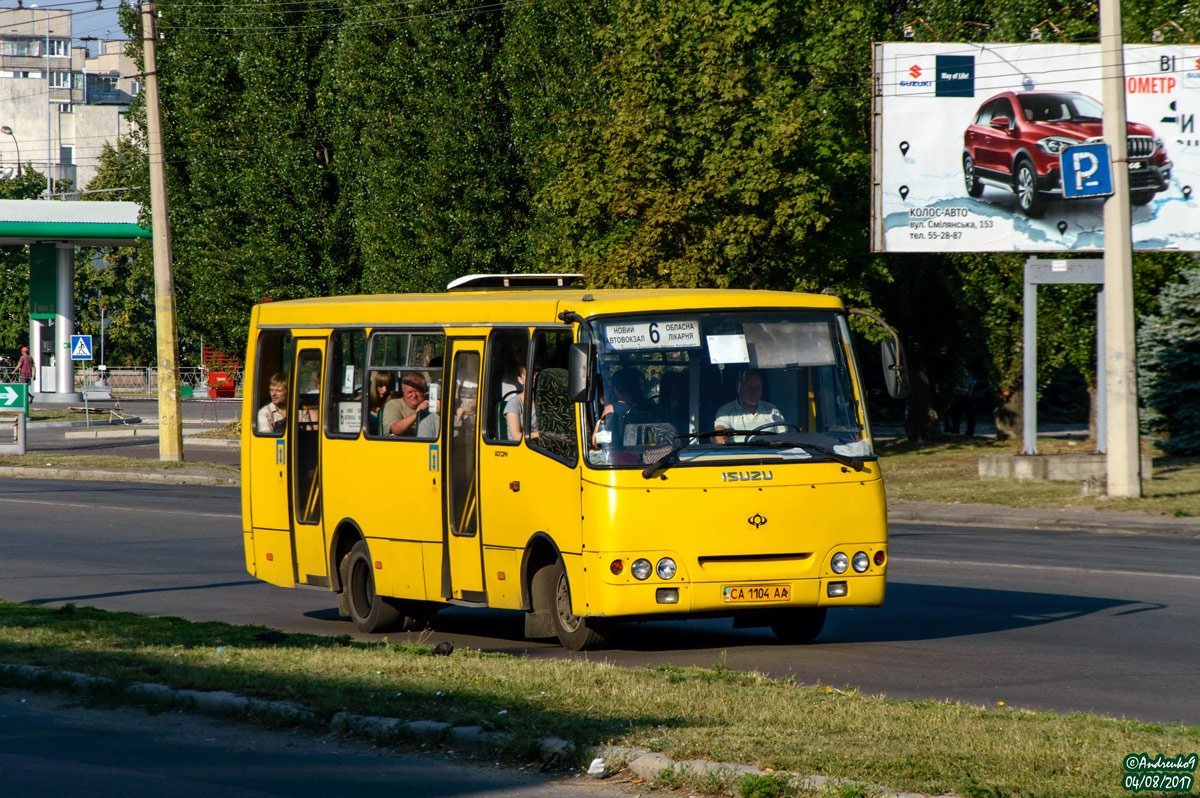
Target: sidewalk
<point>1077,518</point>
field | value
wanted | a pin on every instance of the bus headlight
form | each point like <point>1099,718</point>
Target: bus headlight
<point>840,563</point>
<point>665,568</point>
<point>640,569</point>
<point>861,561</point>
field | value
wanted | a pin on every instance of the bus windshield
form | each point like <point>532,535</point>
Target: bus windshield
<point>756,385</point>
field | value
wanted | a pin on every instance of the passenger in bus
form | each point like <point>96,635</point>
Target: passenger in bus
<point>428,426</point>
<point>514,404</point>
<point>382,385</point>
<point>748,411</point>
<point>627,396</point>
<point>403,416</point>
<point>513,380</point>
<point>272,417</point>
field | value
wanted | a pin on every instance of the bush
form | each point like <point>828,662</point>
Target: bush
<point>1169,368</point>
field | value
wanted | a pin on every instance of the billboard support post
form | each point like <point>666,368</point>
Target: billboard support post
<point>1042,271</point>
<point>1124,451</point>
<point>1029,368</point>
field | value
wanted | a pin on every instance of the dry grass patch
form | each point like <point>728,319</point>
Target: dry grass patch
<point>229,432</point>
<point>948,471</point>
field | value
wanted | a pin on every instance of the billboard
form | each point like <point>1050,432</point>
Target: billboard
<point>971,141</point>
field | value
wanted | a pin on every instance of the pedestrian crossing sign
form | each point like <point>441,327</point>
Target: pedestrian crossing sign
<point>81,347</point>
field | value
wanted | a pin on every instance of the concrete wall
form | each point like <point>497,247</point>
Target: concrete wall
<point>1058,467</point>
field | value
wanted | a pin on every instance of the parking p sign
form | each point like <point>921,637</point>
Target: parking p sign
<point>1086,171</point>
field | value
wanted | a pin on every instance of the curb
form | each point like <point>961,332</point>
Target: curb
<point>986,515</point>
<point>27,472</point>
<point>151,431</point>
<point>112,433</point>
<point>210,443</point>
<point>605,760</point>
<point>108,422</point>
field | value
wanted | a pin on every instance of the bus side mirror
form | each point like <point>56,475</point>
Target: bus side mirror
<point>895,367</point>
<point>579,372</point>
<point>891,351</point>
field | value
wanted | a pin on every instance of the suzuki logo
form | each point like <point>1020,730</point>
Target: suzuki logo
<point>914,71</point>
<point>756,520</point>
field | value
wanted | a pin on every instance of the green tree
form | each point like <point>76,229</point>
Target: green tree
<point>426,169</point>
<point>14,271</point>
<point>704,166</point>
<point>1169,367</point>
<point>548,62</point>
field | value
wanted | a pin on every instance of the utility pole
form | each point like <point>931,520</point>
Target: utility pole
<point>170,427</point>
<point>1124,457</point>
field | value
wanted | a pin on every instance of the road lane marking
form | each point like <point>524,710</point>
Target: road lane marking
<point>1066,568</point>
<point>121,509</point>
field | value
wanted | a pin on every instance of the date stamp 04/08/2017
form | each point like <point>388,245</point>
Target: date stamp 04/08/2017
<point>1159,773</point>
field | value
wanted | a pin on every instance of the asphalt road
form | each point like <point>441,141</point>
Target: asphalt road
<point>194,414</point>
<point>1063,621</point>
<point>51,746</point>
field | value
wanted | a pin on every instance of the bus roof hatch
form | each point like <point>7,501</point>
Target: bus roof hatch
<point>513,282</point>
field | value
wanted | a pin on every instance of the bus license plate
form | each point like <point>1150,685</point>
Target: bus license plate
<point>746,593</point>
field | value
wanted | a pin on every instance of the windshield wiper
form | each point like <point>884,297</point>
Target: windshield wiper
<point>673,455</point>
<point>793,441</point>
<point>766,429</point>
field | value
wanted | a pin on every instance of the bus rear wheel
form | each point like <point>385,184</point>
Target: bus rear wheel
<point>575,632</point>
<point>370,611</point>
<point>799,625</point>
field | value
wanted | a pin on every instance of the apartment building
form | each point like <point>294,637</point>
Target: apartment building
<point>58,105</point>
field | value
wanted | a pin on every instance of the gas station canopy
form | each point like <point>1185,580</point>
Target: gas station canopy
<point>53,229</point>
<point>84,224</point>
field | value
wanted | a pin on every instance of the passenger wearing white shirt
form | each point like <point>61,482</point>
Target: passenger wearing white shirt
<point>748,411</point>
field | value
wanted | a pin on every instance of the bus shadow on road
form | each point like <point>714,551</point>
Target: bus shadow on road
<point>912,611</point>
<point>916,611</point>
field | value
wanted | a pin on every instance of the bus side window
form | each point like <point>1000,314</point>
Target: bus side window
<point>552,416</point>
<point>504,409</point>
<point>344,403</point>
<point>403,367</point>
<point>425,357</point>
<point>273,361</point>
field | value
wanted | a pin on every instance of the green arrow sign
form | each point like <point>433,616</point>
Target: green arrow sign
<point>14,396</point>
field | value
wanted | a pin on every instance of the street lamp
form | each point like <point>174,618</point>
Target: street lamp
<point>6,130</point>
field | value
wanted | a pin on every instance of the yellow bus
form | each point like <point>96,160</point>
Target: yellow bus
<point>581,456</point>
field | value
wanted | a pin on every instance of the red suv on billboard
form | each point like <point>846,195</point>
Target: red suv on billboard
<point>1017,137</point>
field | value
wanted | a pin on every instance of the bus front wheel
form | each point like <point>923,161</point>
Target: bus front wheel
<point>798,625</point>
<point>575,632</point>
<point>370,611</point>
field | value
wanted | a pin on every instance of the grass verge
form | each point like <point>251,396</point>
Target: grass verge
<point>37,414</point>
<point>103,462</point>
<point>947,471</point>
<point>715,713</point>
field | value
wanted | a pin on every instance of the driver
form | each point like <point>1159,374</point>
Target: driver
<point>748,411</point>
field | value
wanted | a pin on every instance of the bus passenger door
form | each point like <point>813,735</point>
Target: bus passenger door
<point>308,534</point>
<point>462,553</point>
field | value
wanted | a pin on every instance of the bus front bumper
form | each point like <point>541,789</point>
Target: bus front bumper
<point>680,596</point>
